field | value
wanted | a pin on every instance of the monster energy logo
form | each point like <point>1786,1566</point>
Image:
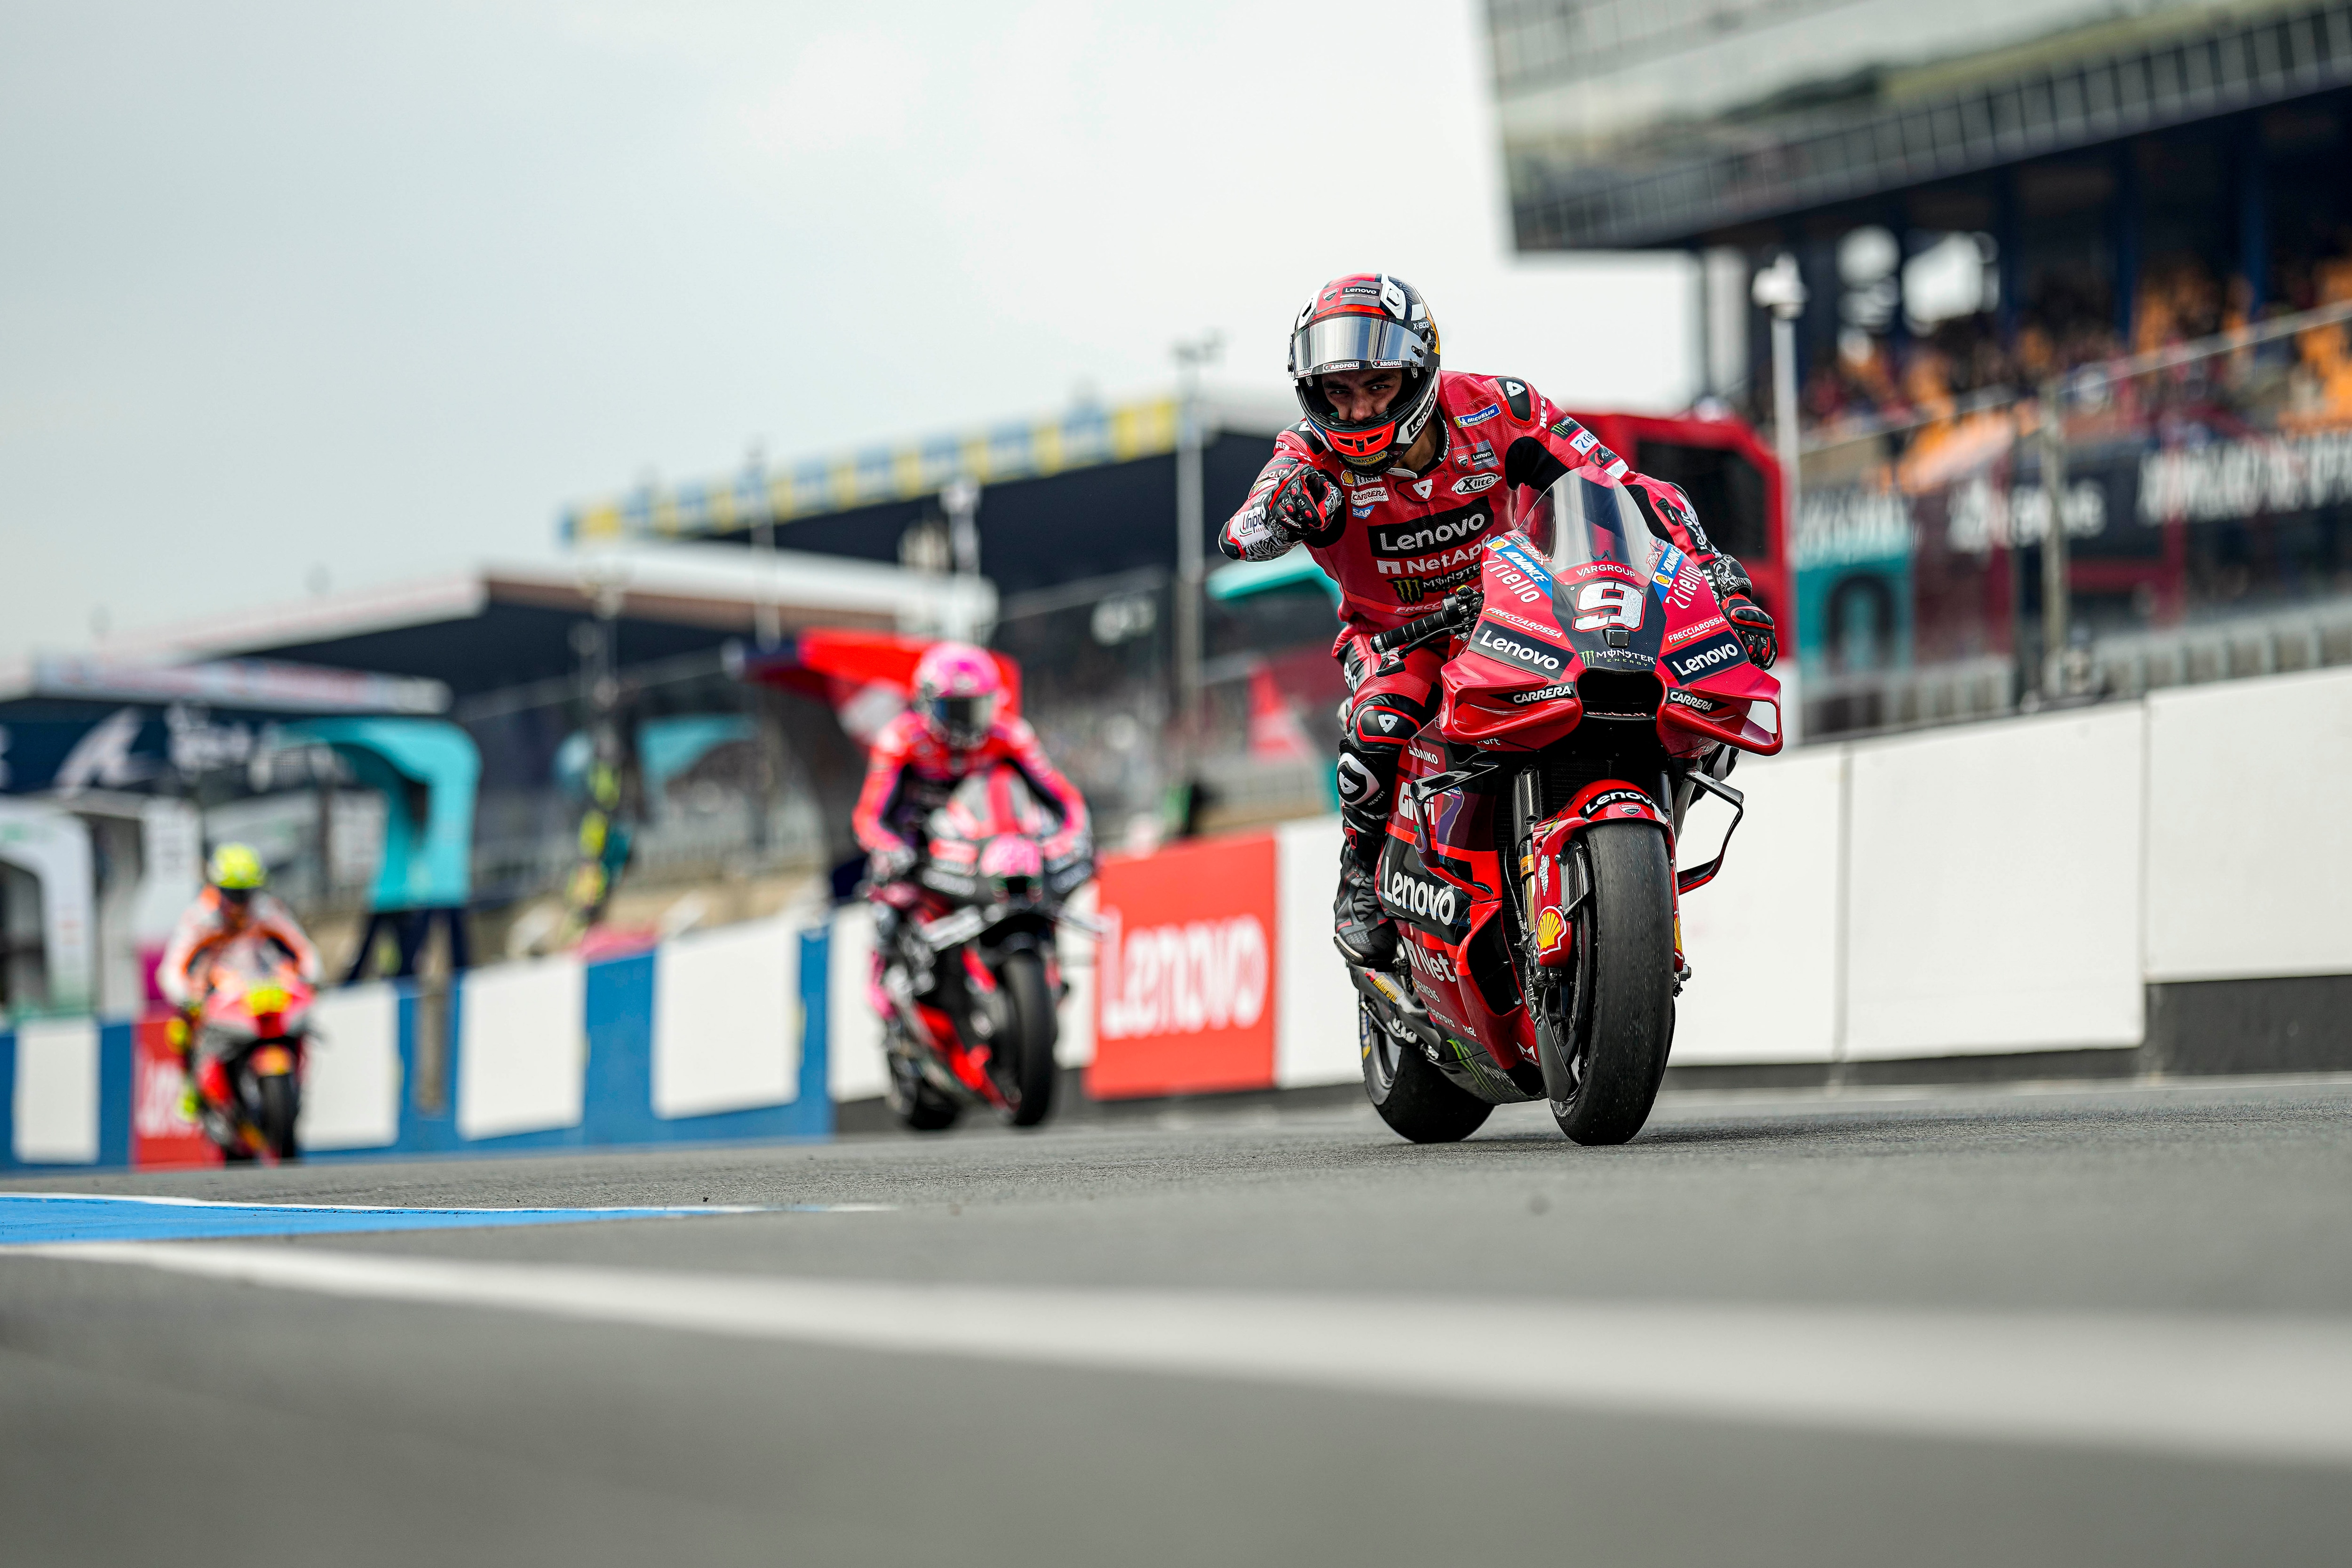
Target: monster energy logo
<point>1408,589</point>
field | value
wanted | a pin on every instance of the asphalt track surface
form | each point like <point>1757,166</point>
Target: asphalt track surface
<point>2016,1327</point>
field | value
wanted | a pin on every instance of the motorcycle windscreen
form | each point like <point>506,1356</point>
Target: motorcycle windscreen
<point>1611,574</point>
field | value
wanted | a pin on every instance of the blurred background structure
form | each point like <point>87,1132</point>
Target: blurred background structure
<point>2069,247</point>
<point>2066,290</point>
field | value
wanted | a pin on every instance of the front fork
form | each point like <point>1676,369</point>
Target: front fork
<point>1551,883</point>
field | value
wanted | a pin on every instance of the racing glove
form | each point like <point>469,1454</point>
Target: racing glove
<point>888,865</point>
<point>1292,502</point>
<point>1065,874</point>
<point>1750,623</point>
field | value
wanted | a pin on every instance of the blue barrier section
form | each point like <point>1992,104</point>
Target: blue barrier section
<point>114,1075</point>
<point>617,1088</point>
<point>7,1099</point>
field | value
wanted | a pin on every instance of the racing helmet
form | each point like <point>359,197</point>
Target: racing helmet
<point>957,689</point>
<point>237,871</point>
<point>1366,322</point>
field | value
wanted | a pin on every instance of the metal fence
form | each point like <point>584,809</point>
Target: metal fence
<point>2195,503</point>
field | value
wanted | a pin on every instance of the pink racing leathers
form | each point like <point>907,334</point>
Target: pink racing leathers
<point>910,771</point>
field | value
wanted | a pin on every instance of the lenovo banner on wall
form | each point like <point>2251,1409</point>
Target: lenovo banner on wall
<point>1186,1000</point>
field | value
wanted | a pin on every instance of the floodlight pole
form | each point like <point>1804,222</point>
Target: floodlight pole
<point>959,499</point>
<point>1781,288</point>
<point>2054,585</point>
<point>1192,436</point>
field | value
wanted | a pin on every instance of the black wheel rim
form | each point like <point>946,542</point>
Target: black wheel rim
<point>1385,1055</point>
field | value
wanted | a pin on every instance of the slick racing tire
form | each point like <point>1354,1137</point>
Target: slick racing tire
<point>1602,1073</point>
<point>277,1118</point>
<point>1412,1097</point>
<point>1027,1080</point>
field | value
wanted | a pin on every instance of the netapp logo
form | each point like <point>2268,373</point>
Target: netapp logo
<point>1409,895</point>
<point>1542,694</point>
<point>1719,654</point>
<point>1530,653</point>
<point>1433,532</point>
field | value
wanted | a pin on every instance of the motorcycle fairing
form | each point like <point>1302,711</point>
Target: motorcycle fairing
<point>1440,952</point>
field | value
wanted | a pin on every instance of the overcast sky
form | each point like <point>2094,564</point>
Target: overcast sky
<point>359,291</point>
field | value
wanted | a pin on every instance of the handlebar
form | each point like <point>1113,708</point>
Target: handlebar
<point>1461,605</point>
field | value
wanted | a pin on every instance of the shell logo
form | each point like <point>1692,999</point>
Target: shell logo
<point>1550,928</point>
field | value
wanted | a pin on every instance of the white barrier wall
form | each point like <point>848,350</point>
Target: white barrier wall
<point>1994,887</point>
<point>522,1048</point>
<point>2250,838</point>
<point>56,1092</point>
<point>1764,984</point>
<point>351,1080</point>
<point>726,1025</point>
<point>1315,1020</point>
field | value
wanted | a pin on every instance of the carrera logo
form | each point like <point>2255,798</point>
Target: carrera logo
<point>1475,483</point>
<point>1423,535</point>
<point>1681,698</point>
<point>1464,422</point>
<point>1517,648</point>
<point>1542,694</point>
<point>1720,653</point>
<point>1420,899</point>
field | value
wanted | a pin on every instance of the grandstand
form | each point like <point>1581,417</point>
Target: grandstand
<point>2075,247</point>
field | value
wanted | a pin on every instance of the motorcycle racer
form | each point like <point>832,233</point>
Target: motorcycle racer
<point>233,904</point>
<point>954,729</point>
<point>1394,480</point>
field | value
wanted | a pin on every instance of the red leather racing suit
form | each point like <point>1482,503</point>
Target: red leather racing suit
<point>910,772</point>
<point>1399,541</point>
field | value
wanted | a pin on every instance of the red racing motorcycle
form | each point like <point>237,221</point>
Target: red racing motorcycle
<point>250,1038</point>
<point>1592,693</point>
<point>967,979</point>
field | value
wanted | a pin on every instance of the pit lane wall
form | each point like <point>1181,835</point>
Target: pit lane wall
<point>711,1036</point>
<point>2169,876</point>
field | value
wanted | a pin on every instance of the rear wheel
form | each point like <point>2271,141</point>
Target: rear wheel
<point>278,1106</point>
<point>1604,1054</point>
<point>1412,1097</point>
<point>1026,1079</point>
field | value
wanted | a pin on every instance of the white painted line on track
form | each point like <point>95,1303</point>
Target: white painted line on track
<point>2230,1388</point>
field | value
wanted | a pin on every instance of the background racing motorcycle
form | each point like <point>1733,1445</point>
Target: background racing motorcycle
<point>968,982</point>
<point>1593,691</point>
<point>251,1036</point>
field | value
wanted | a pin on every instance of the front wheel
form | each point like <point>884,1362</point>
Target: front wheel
<point>1412,1097</point>
<point>1026,1078</point>
<point>278,1108</point>
<point>1603,1058</point>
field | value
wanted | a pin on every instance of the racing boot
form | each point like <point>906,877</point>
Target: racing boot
<point>1361,929</point>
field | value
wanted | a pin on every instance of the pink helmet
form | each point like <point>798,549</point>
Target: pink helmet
<point>957,689</point>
